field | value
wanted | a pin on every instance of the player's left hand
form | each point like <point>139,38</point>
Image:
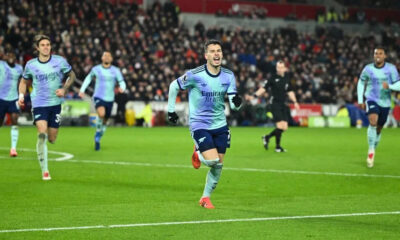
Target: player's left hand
<point>296,106</point>
<point>237,101</point>
<point>385,85</point>
<point>60,92</point>
<point>173,117</point>
<point>120,90</point>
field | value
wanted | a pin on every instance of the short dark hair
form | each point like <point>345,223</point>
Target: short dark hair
<point>39,38</point>
<point>381,48</point>
<point>107,51</point>
<point>211,41</point>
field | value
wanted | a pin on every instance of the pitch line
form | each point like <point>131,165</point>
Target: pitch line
<point>135,225</point>
<point>284,171</point>
<point>64,156</point>
<point>236,169</point>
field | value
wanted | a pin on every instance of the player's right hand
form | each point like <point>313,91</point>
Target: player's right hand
<point>362,106</point>
<point>173,117</point>
<point>21,100</point>
<point>81,94</point>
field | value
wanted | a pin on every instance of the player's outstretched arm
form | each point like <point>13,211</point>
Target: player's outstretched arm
<point>172,94</point>
<point>85,84</point>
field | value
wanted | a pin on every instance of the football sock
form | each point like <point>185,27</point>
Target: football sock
<point>278,135</point>
<point>14,136</point>
<point>378,139</point>
<point>212,179</point>
<point>41,148</point>
<point>99,129</point>
<point>103,129</point>
<point>371,133</point>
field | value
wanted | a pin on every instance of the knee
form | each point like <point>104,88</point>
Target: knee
<point>42,136</point>
<point>212,163</point>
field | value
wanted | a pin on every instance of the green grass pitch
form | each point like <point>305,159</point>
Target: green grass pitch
<point>144,175</point>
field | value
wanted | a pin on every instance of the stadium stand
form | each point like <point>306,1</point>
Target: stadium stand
<point>153,47</point>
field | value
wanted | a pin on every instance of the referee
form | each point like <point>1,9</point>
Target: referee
<point>279,86</point>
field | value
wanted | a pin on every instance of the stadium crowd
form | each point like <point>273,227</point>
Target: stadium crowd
<point>152,47</point>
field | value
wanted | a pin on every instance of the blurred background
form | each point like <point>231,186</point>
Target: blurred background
<point>325,44</point>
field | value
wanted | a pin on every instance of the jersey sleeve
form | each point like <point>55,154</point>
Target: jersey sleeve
<point>232,86</point>
<point>2,70</point>
<point>20,71</point>
<point>364,76</point>
<point>65,67</point>
<point>87,81</point>
<point>27,74</point>
<point>289,87</point>
<point>186,81</point>
<point>394,75</point>
<point>120,80</point>
<point>267,84</point>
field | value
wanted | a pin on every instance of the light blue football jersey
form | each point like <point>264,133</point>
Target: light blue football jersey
<point>206,96</point>
<point>46,78</point>
<point>373,77</point>
<point>9,77</point>
<point>106,78</point>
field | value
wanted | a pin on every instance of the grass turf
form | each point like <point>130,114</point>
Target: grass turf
<point>153,182</point>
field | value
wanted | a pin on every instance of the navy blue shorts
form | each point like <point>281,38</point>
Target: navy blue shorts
<point>107,105</point>
<point>8,107</point>
<point>50,114</point>
<point>383,112</point>
<point>219,138</point>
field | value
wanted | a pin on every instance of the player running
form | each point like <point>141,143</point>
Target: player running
<point>106,76</point>
<point>47,73</point>
<point>207,85</point>
<point>376,81</point>
<point>10,73</point>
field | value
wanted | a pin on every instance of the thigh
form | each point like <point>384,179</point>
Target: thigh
<point>3,111</point>
<point>12,107</point>
<point>203,140</point>
<point>383,116</point>
<point>8,107</point>
<point>103,108</point>
<point>108,107</point>
<point>373,111</point>
<point>41,126</point>
<point>210,154</point>
<point>40,114</point>
<point>222,139</point>
<point>54,116</point>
